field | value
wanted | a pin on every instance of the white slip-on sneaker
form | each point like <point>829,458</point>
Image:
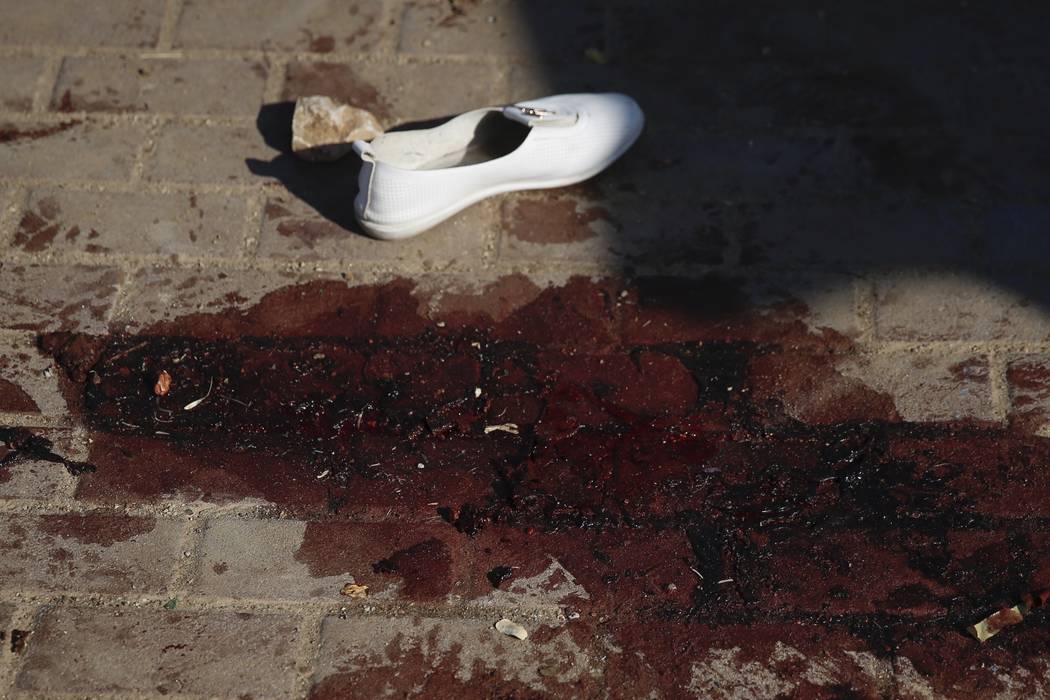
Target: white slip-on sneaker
<point>413,180</point>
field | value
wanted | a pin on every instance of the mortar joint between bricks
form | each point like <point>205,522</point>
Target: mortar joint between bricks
<point>13,210</point>
<point>188,554</point>
<point>168,24</point>
<point>46,82</point>
<point>276,72</point>
<point>307,650</point>
<point>1000,386</point>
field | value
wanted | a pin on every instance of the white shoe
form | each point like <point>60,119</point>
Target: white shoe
<point>413,180</point>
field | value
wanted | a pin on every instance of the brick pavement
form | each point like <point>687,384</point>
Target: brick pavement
<point>759,412</point>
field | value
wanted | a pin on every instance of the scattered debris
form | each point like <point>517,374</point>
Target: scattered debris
<point>511,629</point>
<point>323,129</point>
<point>511,428</point>
<point>18,640</point>
<point>325,473</point>
<point>499,575</point>
<point>355,590</point>
<point>171,604</point>
<point>163,385</point>
<point>197,402</point>
<point>1005,617</point>
<point>477,392</point>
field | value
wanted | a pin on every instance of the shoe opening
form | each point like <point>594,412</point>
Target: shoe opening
<point>467,140</point>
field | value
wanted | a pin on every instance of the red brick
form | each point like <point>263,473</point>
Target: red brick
<point>69,150</point>
<point>96,552</point>
<point>297,560</point>
<point>321,27</point>
<point>157,224</point>
<point>51,298</point>
<point>142,84</point>
<point>232,654</point>
<point>69,22</point>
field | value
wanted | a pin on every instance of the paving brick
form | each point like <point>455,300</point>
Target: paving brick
<point>158,294</point>
<point>609,230</point>
<point>68,22</point>
<point>363,657</point>
<point>211,154</point>
<point>319,25</point>
<point>927,387</point>
<point>503,27</point>
<point>789,309</point>
<point>38,480</point>
<point>136,84</point>
<point>96,552</point>
<point>757,660</point>
<point>207,653</point>
<point>18,81</point>
<point>185,223</point>
<point>945,306</point>
<point>1028,381</point>
<point>293,230</point>
<point>51,298</point>
<point>855,235</point>
<point>28,380</point>
<point>399,92</point>
<point>296,560</point>
<point>69,150</point>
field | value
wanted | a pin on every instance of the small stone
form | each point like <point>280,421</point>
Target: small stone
<point>511,629</point>
<point>323,129</point>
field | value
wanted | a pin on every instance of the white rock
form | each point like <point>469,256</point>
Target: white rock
<point>511,629</point>
<point>323,129</point>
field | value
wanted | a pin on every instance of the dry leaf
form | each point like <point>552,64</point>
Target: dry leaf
<point>354,590</point>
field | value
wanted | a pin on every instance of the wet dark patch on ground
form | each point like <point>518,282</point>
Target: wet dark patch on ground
<point>21,443</point>
<point>636,432</point>
<point>102,530</point>
<point>11,134</point>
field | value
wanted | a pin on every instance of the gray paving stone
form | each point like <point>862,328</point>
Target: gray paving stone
<point>70,22</point>
<point>18,81</point>
<point>69,150</point>
<point>314,25</point>
<point>957,306</point>
<point>99,552</point>
<point>296,560</point>
<point>399,92</point>
<point>292,230</point>
<point>209,154</point>
<point>403,655</point>
<point>55,297</point>
<point>184,223</point>
<point>550,30</point>
<point>927,387</point>
<point>208,653</point>
<point>136,83</point>
<point>28,379</point>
